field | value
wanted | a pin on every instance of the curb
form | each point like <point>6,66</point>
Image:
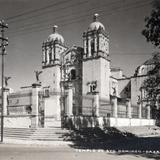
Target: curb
<point>120,151</point>
<point>37,143</point>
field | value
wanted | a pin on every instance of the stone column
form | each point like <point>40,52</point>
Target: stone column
<point>85,46</point>
<point>148,112</point>
<point>52,55</point>
<point>128,105</point>
<point>35,111</point>
<point>69,104</point>
<point>47,55</point>
<point>95,44</point>
<point>96,104</point>
<point>5,101</point>
<point>115,107</point>
<point>89,46</point>
<point>43,55</point>
<point>139,110</point>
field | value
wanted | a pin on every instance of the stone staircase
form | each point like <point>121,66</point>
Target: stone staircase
<point>17,133</point>
<point>36,134</point>
<point>142,131</point>
<point>49,134</point>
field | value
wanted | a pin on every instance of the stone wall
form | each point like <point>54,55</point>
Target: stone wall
<point>97,70</point>
<point>20,98</point>
<point>136,83</point>
<point>17,122</point>
<point>102,122</point>
<point>124,88</point>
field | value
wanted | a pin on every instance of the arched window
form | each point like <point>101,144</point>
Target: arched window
<point>50,55</point>
<point>45,54</point>
<point>92,47</point>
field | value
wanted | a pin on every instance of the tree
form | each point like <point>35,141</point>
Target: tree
<point>151,85</point>
<point>152,25</point>
<point>152,34</point>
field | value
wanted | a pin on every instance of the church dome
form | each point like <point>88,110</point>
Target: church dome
<point>55,36</point>
<point>95,25</point>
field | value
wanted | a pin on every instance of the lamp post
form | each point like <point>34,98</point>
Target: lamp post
<point>4,43</point>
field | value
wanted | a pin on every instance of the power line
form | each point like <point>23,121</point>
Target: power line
<point>50,11</point>
<point>89,15</point>
<point>29,24</point>
<point>37,10</point>
<point>71,22</point>
<point>74,20</point>
<point>65,15</point>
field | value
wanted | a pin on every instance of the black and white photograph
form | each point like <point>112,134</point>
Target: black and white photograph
<point>79,79</point>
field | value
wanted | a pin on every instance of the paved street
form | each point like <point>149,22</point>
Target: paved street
<point>24,152</point>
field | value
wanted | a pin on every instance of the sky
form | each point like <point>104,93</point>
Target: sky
<point>30,23</point>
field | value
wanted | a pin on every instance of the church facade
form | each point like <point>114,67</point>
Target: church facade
<point>77,87</point>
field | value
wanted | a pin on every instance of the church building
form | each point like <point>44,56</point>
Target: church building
<point>77,87</point>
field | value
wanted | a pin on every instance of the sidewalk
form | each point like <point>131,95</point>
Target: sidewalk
<point>36,143</point>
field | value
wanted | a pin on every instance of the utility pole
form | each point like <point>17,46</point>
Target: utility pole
<point>4,43</point>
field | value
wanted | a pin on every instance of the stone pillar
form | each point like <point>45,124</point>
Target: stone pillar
<point>148,112</point>
<point>35,111</point>
<point>69,104</point>
<point>85,46</point>
<point>115,107</point>
<point>139,110</point>
<point>5,101</point>
<point>95,44</point>
<point>52,55</point>
<point>128,105</point>
<point>43,55</point>
<point>89,46</point>
<point>47,55</point>
<point>96,104</point>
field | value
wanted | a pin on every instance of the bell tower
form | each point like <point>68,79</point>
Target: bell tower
<point>96,63</point>
<point>95,40</point>
<point>52,49</point>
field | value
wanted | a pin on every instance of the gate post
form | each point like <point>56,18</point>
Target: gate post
<point>148,112</point>
<point>69,106</point>
<point>115,107</point>
<point>35,100</point>
<point>128,105</point>
<point>96,104</point>
<point>5,101</point>
<point>140,111</point>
